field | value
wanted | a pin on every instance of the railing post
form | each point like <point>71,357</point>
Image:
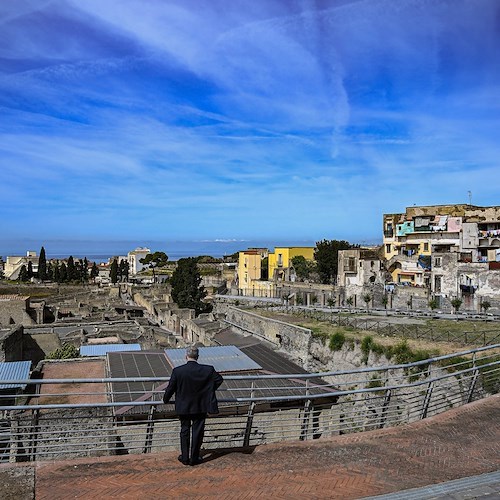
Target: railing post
<point>248,428</point>
<point>34,434</point>
<point>472,386</point>
<point>251,413</point>
<point>427,400</point>
<point>385,404</point>
<point>149,430</point>
<point>305,418</point>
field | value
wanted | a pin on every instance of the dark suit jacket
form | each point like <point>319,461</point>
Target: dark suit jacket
<point>194,386</point>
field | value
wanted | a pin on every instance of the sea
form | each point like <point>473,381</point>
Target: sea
<point>102,251</point>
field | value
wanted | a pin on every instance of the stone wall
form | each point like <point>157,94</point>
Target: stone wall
<point>11,344</point>
<point>14,310</point>
<point>295,340</point>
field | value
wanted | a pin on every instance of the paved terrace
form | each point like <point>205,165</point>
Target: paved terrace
<point>461,443</point>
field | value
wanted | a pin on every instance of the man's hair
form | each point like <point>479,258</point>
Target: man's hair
<point>192,352</point>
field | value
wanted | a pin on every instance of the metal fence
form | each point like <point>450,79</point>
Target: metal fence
<point>36,425</point>
<point>408,331</point>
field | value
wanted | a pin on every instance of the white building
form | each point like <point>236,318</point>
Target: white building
<point>134,258</point>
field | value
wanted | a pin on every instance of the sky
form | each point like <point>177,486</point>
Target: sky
<point>237,120</point>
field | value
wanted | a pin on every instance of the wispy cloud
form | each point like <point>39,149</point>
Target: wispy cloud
<point>239,120</point>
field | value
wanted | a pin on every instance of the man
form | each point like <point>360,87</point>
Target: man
<point>194,386</point>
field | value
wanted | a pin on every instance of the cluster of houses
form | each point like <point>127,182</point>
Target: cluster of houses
<point>440,252</point>
<point>12,266</point>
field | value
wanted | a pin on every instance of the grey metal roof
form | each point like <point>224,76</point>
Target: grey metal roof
<point>103,349</point>
<point>14,370</point>
<point>227,358</point>
<point>132,365</point>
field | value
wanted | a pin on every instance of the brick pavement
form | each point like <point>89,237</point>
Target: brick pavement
<point>459,443</point>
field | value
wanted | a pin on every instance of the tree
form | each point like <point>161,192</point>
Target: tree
<point>42,265</point>
<point>349,301</point>
<point>113,273</point>
<point>94,272</point>
<point>302,267</point>
<point>23,274</point>
<point>72,273</point>
<point>456,303</point>
<point>326,256</point>
<point>433,304</point>
<point>485,305</point>
<point>187,290</point>
<point>84,270</point>
<point>30,270</point>
<point>367,298</point>
<point>385,302</point>
<point>123,270</point>
<point>63,273</point>
<point>154,260</point>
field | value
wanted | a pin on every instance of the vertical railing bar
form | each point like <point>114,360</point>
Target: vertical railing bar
<point>251,411</point>
<point>149,430</point>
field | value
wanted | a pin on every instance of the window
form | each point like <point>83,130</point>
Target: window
<point>426,247</point>
<point>280,259</point>
<point>388,249</point>
<point>437,262</point>
<point>437,284</point>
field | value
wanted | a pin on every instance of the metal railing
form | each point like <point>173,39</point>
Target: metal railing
<point>407,331</point>
<point>50,420</point>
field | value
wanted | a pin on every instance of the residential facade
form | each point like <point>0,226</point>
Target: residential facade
<point>134,259</point>
<point>453,250</point>
<point>13,264</point>
<point>280,261</point>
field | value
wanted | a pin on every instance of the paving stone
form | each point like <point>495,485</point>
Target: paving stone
<point>460,443</point>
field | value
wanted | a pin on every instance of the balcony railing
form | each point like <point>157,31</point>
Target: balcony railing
<point>323,405</point>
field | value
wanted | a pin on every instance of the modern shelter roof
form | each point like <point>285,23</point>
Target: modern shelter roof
<point>103,349</point>
<point>14,370</point>
<point>227,358</point>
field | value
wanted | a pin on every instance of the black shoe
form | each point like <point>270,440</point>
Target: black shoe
<point>196,461</point>
<point>183,462</point>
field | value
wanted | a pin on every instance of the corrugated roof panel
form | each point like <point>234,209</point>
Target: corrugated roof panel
<point>227,358</point>
<point>14,370</point>
<point>103,349</point>
<point>135,364</point>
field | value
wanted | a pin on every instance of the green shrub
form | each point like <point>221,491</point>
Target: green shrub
<point>337,340</point>
<point>67,351</point>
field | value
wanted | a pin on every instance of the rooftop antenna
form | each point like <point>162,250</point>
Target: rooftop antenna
<point>470,197</point>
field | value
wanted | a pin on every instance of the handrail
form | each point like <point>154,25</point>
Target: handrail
<point>255,376</point>
<point>253,412</point>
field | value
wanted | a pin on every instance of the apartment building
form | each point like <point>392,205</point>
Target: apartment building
<point>449,249</point>
<point>280,261</point>
<point>13,264</point>
<point>134,257</point>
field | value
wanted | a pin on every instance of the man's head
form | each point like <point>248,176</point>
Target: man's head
<point>192,353</point>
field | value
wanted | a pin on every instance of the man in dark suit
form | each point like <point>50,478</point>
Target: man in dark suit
<point>194,386</point>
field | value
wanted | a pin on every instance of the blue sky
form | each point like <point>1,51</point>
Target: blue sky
<point>249,120</point>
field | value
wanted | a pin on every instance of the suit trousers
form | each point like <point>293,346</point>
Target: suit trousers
<point>192,431</point>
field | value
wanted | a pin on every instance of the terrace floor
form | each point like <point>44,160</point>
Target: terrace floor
<point>450,456</point>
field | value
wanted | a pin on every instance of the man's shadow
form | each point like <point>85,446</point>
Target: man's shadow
<point>214,454</point>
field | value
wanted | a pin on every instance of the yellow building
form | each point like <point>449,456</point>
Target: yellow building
<point>280,261</point>
<point>249,267</point>
<point>250,270</point>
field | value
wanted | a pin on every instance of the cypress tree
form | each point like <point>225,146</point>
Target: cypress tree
<point>42,265</point>
<point>113,273</point>
<point>23,274</point>
<point>72,273</point>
